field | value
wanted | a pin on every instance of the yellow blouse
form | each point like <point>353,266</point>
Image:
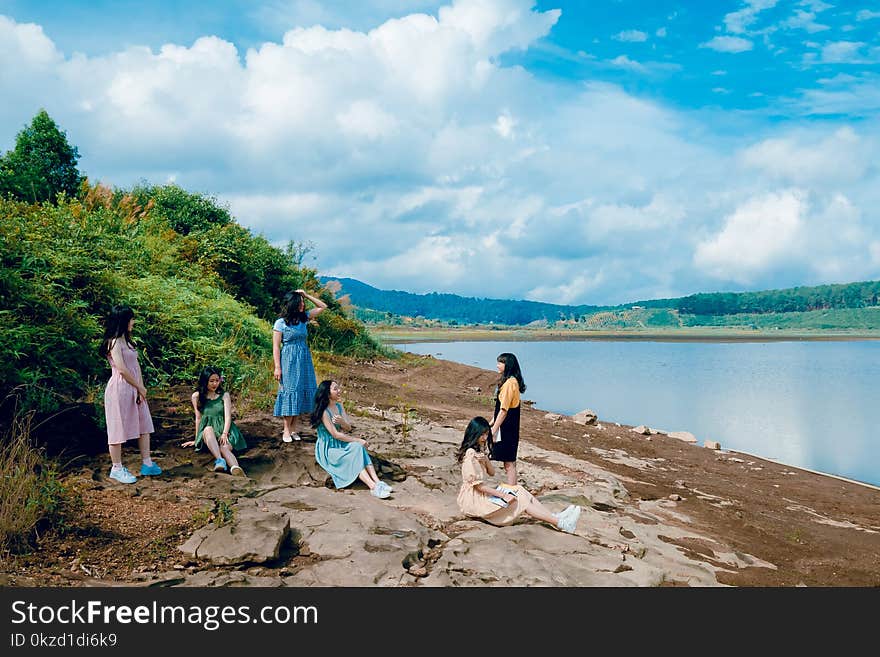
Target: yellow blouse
<point>509,394</point>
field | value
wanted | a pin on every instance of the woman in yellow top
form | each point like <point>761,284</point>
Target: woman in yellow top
<point>505,426</point>
<point>502,504</point>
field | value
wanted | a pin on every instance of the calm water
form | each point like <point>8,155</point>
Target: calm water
<point>810,404</point>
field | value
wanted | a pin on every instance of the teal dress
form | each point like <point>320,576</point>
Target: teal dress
<point>214,416</point>
<point>343,461</point>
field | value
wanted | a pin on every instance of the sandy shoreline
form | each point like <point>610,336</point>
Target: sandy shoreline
<point>471,335</point>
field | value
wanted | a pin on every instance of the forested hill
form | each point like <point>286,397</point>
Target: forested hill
<point>469,310</point>
<point>454,308</point>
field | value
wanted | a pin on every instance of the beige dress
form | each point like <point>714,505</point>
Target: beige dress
<point>475,503</point>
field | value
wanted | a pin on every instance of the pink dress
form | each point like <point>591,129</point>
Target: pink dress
<point>126,419</point>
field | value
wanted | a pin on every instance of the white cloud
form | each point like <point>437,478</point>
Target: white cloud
<point>413,158</point>
<point>867,14</point>
<point>804,20</point>
<point>849,52</point>
<point>728,44</point>
<point>631,36</point>
<point>623,61</point>
<point>661,32</point>
<point>739,21</point>
<point>759,235</point>
<point>839,158</point>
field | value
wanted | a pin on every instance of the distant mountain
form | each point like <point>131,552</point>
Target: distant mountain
<point>455,308</point>
<point>470,310</point>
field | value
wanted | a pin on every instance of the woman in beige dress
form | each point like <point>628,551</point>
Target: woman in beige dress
<point>499,504</point>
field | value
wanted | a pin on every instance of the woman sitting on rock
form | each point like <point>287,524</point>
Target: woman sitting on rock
<point>499,504</point>
<point>342,455</point>
<point>214,426</point>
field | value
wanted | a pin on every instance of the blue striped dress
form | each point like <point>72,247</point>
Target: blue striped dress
<point>296,392</point>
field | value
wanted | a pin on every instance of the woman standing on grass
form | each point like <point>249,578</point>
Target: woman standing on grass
<point>505,426</point>
<point>502,504</point>
<point>341,454</point>
<point>294,369</point>
<point>214,426</point>
<point>125,397</point>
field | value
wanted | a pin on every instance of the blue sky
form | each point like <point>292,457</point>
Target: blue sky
<point>573,152</point>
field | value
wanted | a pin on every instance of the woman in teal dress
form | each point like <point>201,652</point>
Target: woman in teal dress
<point>342,455</point>
<point>214,426</point>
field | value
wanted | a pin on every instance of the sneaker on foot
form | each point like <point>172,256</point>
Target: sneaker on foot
<point>295,436</point>
<point>386,486</point>
<point>220,465</point>
<point>122,475</point>
<point>151,469</point>
<point>380,491</point>
<point>568,522</point>
<point>286,438</point>
<point>237,471</point>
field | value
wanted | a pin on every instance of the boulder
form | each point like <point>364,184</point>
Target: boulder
<point>253,537</point>
<point>586,416</point>
<point>553,417</point>
<point>642,430</point>
<point>712,444</point>
<point>686,436</point>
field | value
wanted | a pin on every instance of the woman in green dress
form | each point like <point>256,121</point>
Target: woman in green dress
<point>214,425</point>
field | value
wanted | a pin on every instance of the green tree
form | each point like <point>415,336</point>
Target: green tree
<point>42,164</point>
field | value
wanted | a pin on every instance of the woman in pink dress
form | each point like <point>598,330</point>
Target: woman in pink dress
<point>125,398</point>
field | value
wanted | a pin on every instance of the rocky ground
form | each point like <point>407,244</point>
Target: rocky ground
<point>659,511</point>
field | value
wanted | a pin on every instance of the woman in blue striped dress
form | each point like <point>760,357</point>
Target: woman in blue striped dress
<point>294,369</point>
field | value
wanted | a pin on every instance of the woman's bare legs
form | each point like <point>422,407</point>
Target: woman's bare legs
<point>510,472</point>
<point>210,440</point>
<point>116,454</point>
<point>144,445</point>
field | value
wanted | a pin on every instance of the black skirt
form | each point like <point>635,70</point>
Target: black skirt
<point>505,450</point>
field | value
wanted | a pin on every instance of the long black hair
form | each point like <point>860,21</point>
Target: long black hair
<point>204,375</point>
<point>322,401</point>
<point>511,369</point>
<point>290,309</point>
<point>115,327</point>
<point>475,428</point>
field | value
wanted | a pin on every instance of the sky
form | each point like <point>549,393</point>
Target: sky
<point>569,152</point>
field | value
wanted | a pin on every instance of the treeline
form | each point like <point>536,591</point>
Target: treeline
<point>383,306</point>
<point>204,288</point>
<point>798,299</point>
<point>454,308</point>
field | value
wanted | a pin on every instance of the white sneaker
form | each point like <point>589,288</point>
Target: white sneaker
<point>286,438</point>
<point>386,486</point>
<point>568,521</point>
<point>122,475</point>
<point>380,491</point>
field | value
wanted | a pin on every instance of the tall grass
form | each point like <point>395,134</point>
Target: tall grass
<point>31,493</point>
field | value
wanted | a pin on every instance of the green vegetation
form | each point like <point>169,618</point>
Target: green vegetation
<point>853,306</point>
<point>204,290</point>
<point>42,164</point>
<point>31,494</point>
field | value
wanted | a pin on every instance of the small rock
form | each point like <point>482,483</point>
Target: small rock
<point>627,533</point>
<point>675,497</point>
<point>712,444</point>
<point>179,566</point>
<point>622,568</point>
<point>418,571</point>
<point>648,438</point>
<point>475,389</point>
<point>679,483</point>
<point>641,429</point>
<point>554,417</point>
<point>558,437</point>
<point>733,459</point>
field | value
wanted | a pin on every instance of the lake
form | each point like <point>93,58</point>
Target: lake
<point>808,404</point>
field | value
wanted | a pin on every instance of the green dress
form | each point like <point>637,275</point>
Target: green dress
<point>213,415</point>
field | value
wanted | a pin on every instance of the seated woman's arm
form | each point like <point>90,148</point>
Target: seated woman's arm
<point>339,435</point>
<point>343,419</point>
